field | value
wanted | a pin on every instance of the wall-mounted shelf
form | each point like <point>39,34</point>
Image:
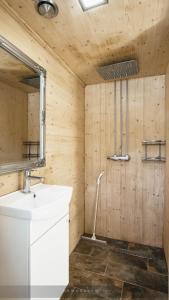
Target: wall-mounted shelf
<point>31,143</point>
<point>153,142</point>
<point>158,143</point>
<point>32,149</point>
<point>154,159</point>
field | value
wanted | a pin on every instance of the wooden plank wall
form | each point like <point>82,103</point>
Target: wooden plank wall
<point>64,122</point>
<point>12,133</point>
<point>33,117</point>
<point>166,210</point>
<point>132,193</point>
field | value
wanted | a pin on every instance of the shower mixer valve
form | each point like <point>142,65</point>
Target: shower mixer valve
<point>120,157</point>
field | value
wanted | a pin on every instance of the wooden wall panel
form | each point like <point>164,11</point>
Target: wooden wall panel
<point>132,193</point>
<point>33,116</point>
<point>64,124</point>
<point>166,210</point>
<point>13,122</point>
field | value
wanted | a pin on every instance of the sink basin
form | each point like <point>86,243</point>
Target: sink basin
<point>44,202</point>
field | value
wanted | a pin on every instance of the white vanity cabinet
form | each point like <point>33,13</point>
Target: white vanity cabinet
<point>49,261</point>
<point>34,243</point>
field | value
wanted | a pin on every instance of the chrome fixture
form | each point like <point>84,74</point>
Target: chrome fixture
<point>27,181</point>
<point>47,8</point>
<point>121,148</point>
<point>125,157</point>
<point>119,70</point>
<point>89,4</point>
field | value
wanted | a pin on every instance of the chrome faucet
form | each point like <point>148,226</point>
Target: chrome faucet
<point>27,181</point>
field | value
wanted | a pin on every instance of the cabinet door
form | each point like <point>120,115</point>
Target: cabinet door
<point>49,262</point>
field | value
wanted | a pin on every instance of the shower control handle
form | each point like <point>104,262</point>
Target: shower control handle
<point>122,158</point>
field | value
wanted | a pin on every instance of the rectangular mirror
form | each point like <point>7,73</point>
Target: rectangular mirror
<point>22,110</point>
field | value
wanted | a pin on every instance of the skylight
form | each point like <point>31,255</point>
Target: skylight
<point>89,4</point>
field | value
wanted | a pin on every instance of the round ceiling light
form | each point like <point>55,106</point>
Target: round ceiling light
<point>47,8</point>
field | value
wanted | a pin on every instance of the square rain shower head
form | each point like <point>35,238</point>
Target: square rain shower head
<point>32,81</point>
<point>119,70</point>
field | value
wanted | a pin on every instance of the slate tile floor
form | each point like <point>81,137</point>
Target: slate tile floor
<point>117,271</point>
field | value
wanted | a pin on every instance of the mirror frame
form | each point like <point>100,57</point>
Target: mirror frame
<point>41,162</point>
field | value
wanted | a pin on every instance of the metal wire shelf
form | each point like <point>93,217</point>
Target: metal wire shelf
<point>158,143</point>
<point>32,149</point>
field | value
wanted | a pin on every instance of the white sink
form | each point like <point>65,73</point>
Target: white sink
<point>44,202</point>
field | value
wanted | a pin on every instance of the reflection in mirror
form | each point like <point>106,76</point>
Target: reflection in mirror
<point>19,111</point>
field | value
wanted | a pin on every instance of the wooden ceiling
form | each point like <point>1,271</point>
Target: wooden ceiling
<point>13,71</point>
<point>123,29</point>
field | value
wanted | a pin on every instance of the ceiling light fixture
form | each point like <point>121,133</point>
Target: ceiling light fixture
<point>89,4</point>
<point>47,8</point>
